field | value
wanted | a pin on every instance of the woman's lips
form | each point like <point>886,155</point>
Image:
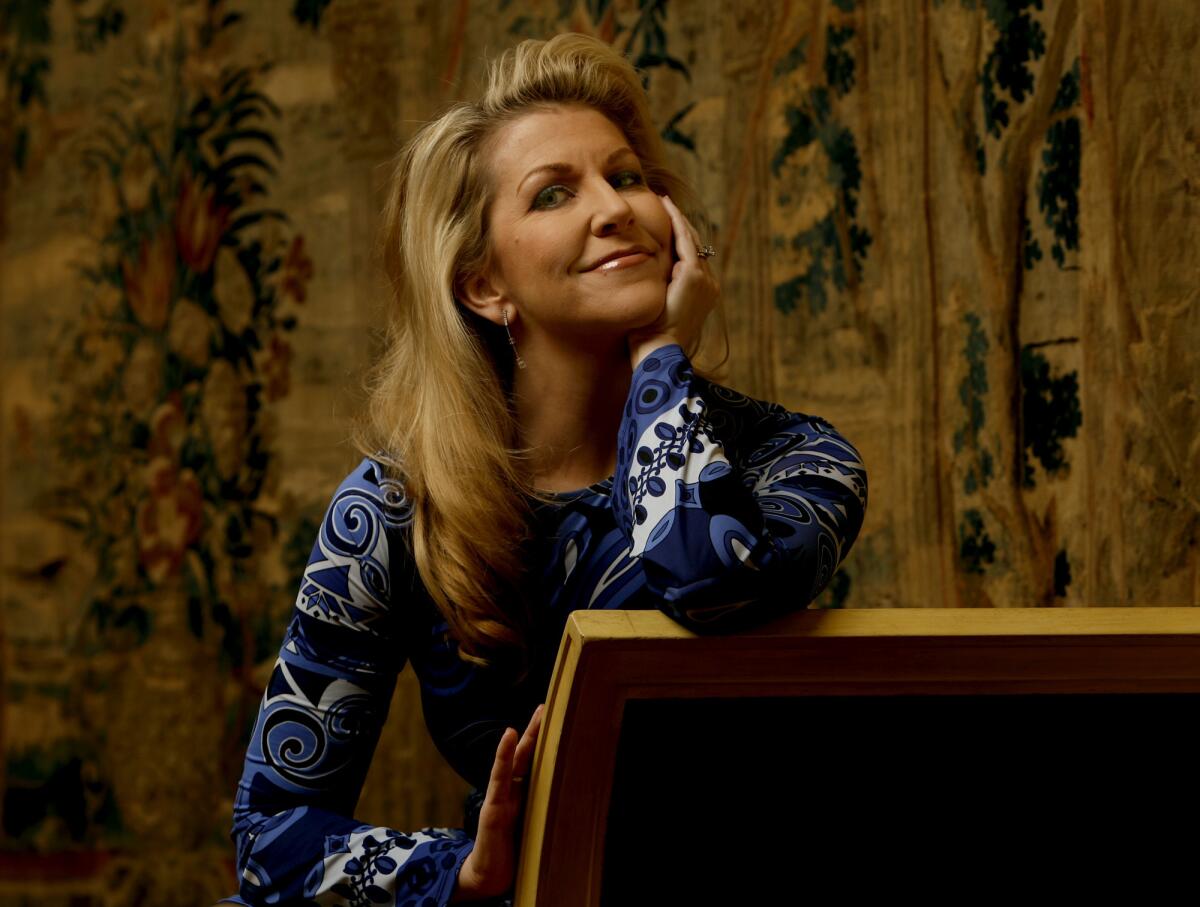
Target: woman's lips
<point>625,261</point>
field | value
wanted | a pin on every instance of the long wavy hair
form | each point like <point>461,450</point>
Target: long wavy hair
<point>439,414</point>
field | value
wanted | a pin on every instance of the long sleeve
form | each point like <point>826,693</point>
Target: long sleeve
<point>738,509</point>
<point>319,722</point>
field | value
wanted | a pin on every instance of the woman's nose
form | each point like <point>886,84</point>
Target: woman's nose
<point>611,210</point>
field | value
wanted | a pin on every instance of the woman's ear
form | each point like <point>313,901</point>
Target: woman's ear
<point>479,294</point>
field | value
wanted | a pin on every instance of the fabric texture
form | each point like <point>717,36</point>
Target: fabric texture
<point>724,512</point>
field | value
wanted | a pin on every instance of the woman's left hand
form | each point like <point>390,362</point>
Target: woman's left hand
<point>691,295</point>
<point>490,868</point>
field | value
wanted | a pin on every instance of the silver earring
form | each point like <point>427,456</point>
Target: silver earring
<point>512,343</point>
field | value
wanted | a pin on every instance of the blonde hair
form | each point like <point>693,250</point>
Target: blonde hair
<point>439,413</point>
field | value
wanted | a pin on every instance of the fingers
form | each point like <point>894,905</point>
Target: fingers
<point>501,809</point>
<point>685,237</point>
<point>692,231</point>
<point>524,754</point>
<point>491,859</point>
<point>500,782</point>
<point>513,758</point>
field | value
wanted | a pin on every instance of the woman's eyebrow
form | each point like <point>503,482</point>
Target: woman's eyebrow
<point>559,167</point>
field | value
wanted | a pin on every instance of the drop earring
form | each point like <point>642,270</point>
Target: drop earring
<point>512,343</point>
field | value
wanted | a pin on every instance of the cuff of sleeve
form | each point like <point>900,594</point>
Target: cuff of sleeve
<point>659,378</point>
<point>460,857</point>
<point>658,445</point>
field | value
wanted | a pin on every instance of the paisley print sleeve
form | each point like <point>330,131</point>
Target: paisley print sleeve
<point>319,722</point>
<point>738,509</point>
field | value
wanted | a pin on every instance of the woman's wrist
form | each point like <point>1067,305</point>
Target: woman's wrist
<point>467,886</point>
<point>464,887</point>
<point>642,347</point>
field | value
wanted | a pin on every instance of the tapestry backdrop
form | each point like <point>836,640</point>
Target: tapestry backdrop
<point>962,231</point>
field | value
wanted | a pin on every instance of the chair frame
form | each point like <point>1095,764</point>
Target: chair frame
<point>609,657</point>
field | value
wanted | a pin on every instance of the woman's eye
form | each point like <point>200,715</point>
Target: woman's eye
<point>546,197</point>
<point>634,177</point>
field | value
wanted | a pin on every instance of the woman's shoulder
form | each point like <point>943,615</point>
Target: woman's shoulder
<point>376,484</point>
<point>359,560</point>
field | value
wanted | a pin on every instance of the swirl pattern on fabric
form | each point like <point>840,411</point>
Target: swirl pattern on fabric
<point>723,511</point>
<point>727,500</point>
<point>319,723</point>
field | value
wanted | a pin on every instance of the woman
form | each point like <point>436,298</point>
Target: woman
<point>537,441</point>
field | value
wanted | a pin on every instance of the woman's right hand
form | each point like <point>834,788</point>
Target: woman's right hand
<point>490,868</point>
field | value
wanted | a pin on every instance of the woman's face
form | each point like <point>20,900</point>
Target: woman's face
<point>568,190</point>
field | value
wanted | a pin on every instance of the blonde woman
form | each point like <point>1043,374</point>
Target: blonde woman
<point>537,441</point>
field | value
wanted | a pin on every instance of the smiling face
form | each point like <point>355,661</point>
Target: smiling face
<point>568,191</point>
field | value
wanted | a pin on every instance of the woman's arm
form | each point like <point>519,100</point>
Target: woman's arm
<point>319,722</point>
<point>739,510</point>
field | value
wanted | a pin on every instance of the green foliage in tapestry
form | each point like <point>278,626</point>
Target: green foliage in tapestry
<point>975,546</point>
<point>649,31</point>
<point>830,260</point>
<point>649,36</point>
<point>120,624</point>
<point>1020,40</point>
<point>1049,413</point>
<point>643,35</point>
<point>971,392</point>
<point>92,30</point>
<point>1032,250</point>
<point>673,134</point>
<point>1067,95</point>
<point>165,428</point>
<point>309,12</point>
<point>973,386</point>
<point>839,64</point>
<point>836,593</point>
<point>793,59</point>
<point>53,798</point>
<point>1058,178</point>
<point>1062,573</point>
<point>24,40</point>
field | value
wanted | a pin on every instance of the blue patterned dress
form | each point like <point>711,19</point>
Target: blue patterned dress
<point>724,511</point>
